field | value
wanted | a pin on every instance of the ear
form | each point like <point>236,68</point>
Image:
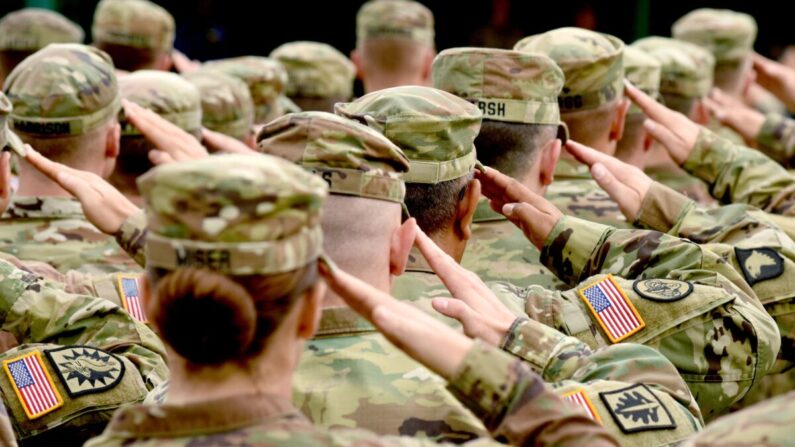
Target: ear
<point>112,149</point>
<point>400,246</point>
<point>5,180</point>
<point>617,126</point>
<point>700,113</point>
<point>548,161</point>
<point>310,312</point>
<point>648,141</point>
<point>427,67</point>
<point>466,210</point>
<point>356,58</point>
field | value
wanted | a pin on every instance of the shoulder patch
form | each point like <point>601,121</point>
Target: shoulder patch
<point>130,296</point>
<point>636,409</point>
<point>580,399</point>
<point>759,264</point>
<point>612,309</point>
<point>32,384</point>
<point>662,289</point>
<point>85,370</point>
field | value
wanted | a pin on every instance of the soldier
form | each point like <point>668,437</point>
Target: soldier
<point>28,30</point>
<point>394,44</point>
<point>318,75</point>
<point>227,106</point>
<point>166,94</point>
<point>65,101</point>
<point>137,34</point>
<point>235,323</point>
<point>578,252</point>
<point>266,80</point>
<point>686,80</point>
<point>593,106</point>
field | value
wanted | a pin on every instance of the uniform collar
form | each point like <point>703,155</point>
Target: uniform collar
<point>568,169</point>
<point>484,213</point>
<point>44,207</point>
<point>417,262</point>
<point>342,321</point>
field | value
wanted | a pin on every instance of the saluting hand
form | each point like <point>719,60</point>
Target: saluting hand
<point>172,143</point>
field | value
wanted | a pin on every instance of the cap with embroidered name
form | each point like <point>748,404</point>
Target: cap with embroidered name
<point>728,35</point>
<point>315,70</point>
<point>133,23</point>
<point>395,19</point>
<point>7,138</point>
<point>686,69</point>
<point>644,72</point>
<point>167,94</point>
<point>32,29</point>
<point>226,102</point>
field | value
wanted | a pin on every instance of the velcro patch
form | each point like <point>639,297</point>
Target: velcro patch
<point>636,409</point>
<point>759,264</point>
<point>662,289</point>
<point>612,309</point>
<point>85,370</point>
<point>130,296</point>
<point>33,385</point>
<point>580,399</point>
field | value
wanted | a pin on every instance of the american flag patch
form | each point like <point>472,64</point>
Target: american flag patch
<point>33,385</point>
<point>611,307</point>
<point>130,296</point>
<point>579,399</point>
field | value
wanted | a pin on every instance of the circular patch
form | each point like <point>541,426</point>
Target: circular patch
<point>662,289</point>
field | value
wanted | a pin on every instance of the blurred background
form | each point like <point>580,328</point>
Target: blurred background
<point>210,29</point>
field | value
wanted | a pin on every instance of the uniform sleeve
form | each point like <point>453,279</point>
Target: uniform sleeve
<point>35,312</point>
<point>776,139</point>
<point>132,237</point>
<point>737,174</point>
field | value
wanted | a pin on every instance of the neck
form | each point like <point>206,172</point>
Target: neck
<point>35,184</point>
<point>450,244</point>
<point>375,273</point>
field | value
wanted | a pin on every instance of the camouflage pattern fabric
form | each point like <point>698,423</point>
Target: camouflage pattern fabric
<point>167,94</point>
<point>266,79</point>
<point>679,180</point>
<point>315,70</point>
<point>510,400</point>
<point>436,130</point>
<point>644,72</point>
<point>62,90</point>
<point>32,29</point>
<point>728,35</point>
<point>133,23</point>
<point>352,158</point>
<point>395,19</point>
<point>227,106</point>
<point>776,139</point>
<point>687,69</point>
<point>592,64</point>
<point>54,230</point>
<point>44,319</point>
<point>8,139</point>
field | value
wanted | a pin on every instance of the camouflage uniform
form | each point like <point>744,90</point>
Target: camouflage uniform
<point>167,94</point>
<point>776,139</point>
<point>62,90</point>
<point>593,67</point>
<point>227,106</point>
<point>687,72</point>
<point>280,234</point>
<point>395,19</point>
<point>32,29</point>
<point>315,70</point>
<point>266,80</point>
<point>95,356</point>
<point>134,23</point>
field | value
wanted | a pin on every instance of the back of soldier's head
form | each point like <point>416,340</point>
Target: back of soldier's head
<point>227,106</point>
<point>436,131</point>
<point>517,92</point>
<point>167,94</point>
<point>28,30</point>
<point>318,75</point>
<point>728,35</point>
<point>65,97</point>
<point>394,41</point>
<point>644,72</point>
<point>592,64</point>
<point>138,34</point>
<point>686,71</point>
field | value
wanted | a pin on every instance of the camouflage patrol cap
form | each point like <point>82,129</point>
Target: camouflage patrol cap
<point>315,70</point>
<point>352,158</point>
<point>166,94</point>
<point>395,19</point>
<point>63,89</point>
<point>687,69</point>
<point>591,62</point>
<point>727,34</point>
<point>32,29</point>
<point>8,140</point>
<point>266,79</point>
<point>133,23</point>
<point>236,214</point>
<point>436,130</point>
<point>510,86</point>
<point>644,72</point>
<point>226,103</point>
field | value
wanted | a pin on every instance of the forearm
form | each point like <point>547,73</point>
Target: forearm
<point>776,139</point>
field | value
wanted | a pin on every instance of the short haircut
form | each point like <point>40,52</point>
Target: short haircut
<point>589,126</point>
<point>10,59</point>
<point>129,58</point>
<point>511,148</point>
<point>395,58</point>
<point>632,138</point>
<point>435,205</point>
